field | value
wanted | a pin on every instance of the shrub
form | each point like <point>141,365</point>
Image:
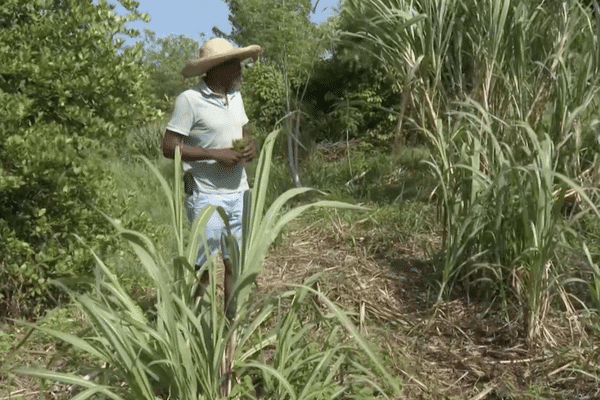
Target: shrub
<point>67,86</point>
<point>264,94</point>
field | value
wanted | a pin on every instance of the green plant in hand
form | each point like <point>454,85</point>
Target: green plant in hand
<point>239,144</point>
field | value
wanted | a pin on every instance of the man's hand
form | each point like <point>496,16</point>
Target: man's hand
<point>249,152</point>
<point>227,157</point>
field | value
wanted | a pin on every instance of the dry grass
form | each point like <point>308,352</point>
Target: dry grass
<point>30,388</point>
<point>455,348</point>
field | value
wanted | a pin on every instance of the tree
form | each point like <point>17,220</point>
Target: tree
<point>165,57</point>
<point>263,92</point>
<point>68,87</point>
<point>282,27</point>
<point>349,98</point>
<point>291,42</point>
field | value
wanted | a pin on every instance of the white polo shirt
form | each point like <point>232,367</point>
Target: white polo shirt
<point>211,121</point>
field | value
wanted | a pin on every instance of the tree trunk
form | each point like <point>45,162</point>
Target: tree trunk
<point>292,144</point>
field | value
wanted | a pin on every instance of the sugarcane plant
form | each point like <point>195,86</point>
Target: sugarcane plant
<point>193,349</point>
<point>506,94</point>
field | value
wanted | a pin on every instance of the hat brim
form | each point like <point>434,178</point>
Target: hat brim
<point>199,66</point>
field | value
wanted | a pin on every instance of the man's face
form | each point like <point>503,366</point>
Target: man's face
<point>229,72</point>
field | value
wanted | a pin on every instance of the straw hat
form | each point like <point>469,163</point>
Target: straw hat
<point>217,51</point>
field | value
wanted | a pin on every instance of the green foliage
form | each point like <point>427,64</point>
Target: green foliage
<point>264,94</point>
<point>501,206</point>
<point>440,52</point>
<point>165,58</point>
<point>350,116</point>
<point>312,369</point>
<point>66,85</point>
<point>370,175</point>
<point>290,40</point>
<point>143,140</point>
<point>346,98</point>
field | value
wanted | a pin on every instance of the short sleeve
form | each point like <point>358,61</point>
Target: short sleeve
<point>182,118</point>
<point>245,119</point>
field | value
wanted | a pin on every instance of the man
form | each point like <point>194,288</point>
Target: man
<point>206,120</point>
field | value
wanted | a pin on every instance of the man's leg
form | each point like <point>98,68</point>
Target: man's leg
<point>202,283</point>
<point>235,211</point>
<point>194,204</point>
<point>228,305</point>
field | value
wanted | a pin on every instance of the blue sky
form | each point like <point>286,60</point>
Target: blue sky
<point>191,17</point>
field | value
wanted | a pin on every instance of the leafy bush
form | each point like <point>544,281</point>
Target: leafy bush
<point>348,99</point>
<point>264,94</point>
<point>165,57</point>
<point>67,86</point>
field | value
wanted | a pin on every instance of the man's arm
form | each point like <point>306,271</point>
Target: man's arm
<point>171,140</point>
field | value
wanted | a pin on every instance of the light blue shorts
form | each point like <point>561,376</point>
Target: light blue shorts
<point>232,203</point>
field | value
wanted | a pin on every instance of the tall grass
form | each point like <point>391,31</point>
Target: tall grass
<point>180,352</point>
<point>506,91</point>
